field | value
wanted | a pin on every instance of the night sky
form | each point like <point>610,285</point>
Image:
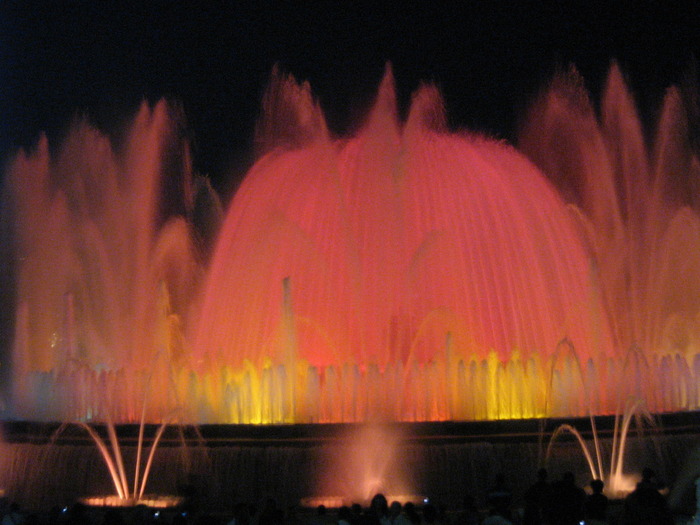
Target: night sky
<point>489,59</point>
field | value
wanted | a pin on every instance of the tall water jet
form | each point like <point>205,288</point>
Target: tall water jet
<point>364,461</point>
<point>637,211</point>
<point>638,214</point>
<point>106,271</point>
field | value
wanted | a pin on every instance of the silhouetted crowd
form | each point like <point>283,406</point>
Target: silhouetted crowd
<point>561,502</point>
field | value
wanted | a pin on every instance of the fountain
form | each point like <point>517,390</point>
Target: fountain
<point>411,273</point>
<point>363,463</point>
<point>128,495</point>
<point>406,273</point>
<point>106,273</point>
<point>617,483</point>
<point>385,276</point>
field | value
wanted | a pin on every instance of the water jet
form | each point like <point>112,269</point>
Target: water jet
<point>407,273</point>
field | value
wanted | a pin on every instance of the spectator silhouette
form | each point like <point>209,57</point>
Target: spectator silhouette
<point>595,510</point>
<point>499,497</point>
<point>355,513</point>
<point>537,499</point>
<point>645,505</point>
<point>378,512</point>
<point>411,513</point>
<point>344,515</point>
<point>567,501</point>
<point>396,514</point>
<point>321,517</point>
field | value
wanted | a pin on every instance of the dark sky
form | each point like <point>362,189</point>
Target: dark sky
<point>489,58</point>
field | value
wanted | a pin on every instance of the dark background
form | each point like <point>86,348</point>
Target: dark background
<point>489,59</point>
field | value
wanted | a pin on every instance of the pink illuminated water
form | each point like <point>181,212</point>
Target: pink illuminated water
<point>391,240</point>
<point>406,272</point>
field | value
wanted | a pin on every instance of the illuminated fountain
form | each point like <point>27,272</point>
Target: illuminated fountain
<point>127,494</point>
<point>412,259</point>
<point>105,275</point>
<point>387,276</point>
<point>443,268</point>
<point>404,273</point>
<point>638,215</point>
<point>365,461</point>
<point>618,483</point>
<point>637,211</point>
